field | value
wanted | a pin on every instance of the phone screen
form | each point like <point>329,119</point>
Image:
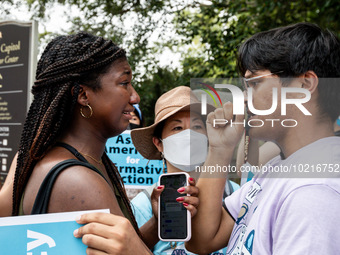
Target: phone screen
<point>173,215</point>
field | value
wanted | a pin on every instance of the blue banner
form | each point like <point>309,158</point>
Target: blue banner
<point>45,234</point>
<point>136,171</point>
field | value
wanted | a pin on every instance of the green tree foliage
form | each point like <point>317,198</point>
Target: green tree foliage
<point>160,82</point>
<point>215,31</point>
<point>207,32</point>
<point>130,24</point>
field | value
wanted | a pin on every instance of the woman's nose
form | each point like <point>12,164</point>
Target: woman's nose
<point>134,97</point>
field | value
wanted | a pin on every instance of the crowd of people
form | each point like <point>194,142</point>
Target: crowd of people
<point>83,96</point>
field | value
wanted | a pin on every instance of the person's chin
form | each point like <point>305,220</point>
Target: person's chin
<point>119,129</point>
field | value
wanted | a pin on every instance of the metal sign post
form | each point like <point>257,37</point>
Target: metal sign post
<point>18,51</point>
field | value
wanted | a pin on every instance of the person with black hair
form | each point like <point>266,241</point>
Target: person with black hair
<point>280,211</point>
<point>177,126</point>
<point>137,120</point>
<point>82,96</point>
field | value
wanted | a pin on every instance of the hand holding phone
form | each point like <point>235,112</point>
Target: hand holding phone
<point>174,220</point>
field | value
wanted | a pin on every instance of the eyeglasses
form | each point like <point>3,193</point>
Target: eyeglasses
<point>248,81</point>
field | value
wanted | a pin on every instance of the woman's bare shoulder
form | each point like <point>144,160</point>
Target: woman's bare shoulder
<point>76,188</point>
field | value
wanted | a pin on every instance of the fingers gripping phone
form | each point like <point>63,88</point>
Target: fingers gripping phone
<point>174,220</point>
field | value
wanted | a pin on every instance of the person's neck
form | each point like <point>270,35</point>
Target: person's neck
<point>85,141</point>
<point>306,132</point>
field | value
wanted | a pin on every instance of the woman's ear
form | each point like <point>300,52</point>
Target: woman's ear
<point>310,81</point>
<point>82,95</point>
<point>158,143</point>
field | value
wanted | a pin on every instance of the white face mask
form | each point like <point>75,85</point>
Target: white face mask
<point>186,149</point>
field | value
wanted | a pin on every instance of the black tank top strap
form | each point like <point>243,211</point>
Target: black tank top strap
<point>43,197</point>
<point>72,150</point>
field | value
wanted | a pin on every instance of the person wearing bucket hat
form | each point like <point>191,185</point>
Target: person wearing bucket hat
<point>179,99</point>
<point>106,237</point>
<point>177,136</point>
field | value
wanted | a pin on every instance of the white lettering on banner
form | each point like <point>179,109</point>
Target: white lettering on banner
<point>255,122</point>
<point>130,160</point>
<point>238,100</point>
<point>297,101</point>
<point>133,168</point>
<point>41,239</point>
<point>262,112</point>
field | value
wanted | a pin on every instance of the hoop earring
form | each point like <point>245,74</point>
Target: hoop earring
<point>82,114</point>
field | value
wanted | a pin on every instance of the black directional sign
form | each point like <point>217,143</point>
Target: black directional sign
<point>16,47</point>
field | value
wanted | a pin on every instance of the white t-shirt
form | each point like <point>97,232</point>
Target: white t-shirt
<point>277,214</point>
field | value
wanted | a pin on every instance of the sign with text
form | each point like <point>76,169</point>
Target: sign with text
<point>17,61</point>
<point>136,171</point>
<point>45,234</point>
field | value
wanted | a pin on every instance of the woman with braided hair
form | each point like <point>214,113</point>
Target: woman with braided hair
<point>82,96</point>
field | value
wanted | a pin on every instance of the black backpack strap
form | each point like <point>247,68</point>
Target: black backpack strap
<point>43,197</point>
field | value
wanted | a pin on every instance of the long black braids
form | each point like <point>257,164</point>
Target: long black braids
<point>65,62</point>
<point>114,175</point>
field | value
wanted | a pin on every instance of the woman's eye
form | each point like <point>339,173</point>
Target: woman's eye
<point>198,127</point>
<point>125,83</point>
<point>177,128</point>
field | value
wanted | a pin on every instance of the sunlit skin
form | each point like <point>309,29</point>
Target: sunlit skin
<point>114,99</point>
<point>111,105</point>
<point>108,237</point>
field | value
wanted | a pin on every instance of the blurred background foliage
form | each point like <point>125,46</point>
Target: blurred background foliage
<point>203,36</point>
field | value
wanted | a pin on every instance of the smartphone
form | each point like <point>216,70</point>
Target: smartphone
<point>174,220</point>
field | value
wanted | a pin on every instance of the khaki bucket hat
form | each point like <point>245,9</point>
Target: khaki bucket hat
<point>178,99</point>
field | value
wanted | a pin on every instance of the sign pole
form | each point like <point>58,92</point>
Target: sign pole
<point>18,51</point>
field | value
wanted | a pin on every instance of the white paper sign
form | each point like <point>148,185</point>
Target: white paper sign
<point>43,234</point>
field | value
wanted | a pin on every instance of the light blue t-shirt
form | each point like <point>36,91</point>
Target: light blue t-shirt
<point>142,210</point>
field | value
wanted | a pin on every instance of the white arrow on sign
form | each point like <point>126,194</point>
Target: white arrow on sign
<point>41,239</point>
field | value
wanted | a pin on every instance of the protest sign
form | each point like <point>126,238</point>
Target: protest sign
<point>43,234</point>
<point>136,171</point>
